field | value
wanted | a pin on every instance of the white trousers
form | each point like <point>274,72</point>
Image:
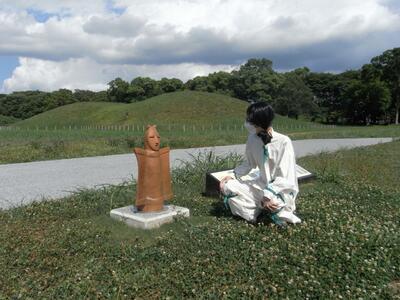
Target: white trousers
<point>247,202</point>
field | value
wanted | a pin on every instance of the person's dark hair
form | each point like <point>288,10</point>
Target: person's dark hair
<point>261,114</point>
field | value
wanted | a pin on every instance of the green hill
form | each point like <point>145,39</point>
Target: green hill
<point>186,107</point>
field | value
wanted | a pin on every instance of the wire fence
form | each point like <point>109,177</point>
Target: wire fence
<point>168,127</point>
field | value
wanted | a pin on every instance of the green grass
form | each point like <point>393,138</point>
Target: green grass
<point>24,145</point>
<point>346,247</point>
<point>185,119</point>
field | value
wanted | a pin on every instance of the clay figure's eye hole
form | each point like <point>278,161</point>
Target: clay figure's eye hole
<point>152,136</point>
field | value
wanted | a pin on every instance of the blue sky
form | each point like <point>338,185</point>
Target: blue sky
<point>40,16</point>
<point>52,44</point>
<point>8,63</point>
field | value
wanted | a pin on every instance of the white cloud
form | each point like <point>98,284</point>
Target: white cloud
<point>85,73</point>
<point>185,31</point>
<point>114,26</point>
<point>197,32</point>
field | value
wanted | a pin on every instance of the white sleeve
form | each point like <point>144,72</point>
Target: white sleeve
<point>284,185</point>
<point>248,163</point>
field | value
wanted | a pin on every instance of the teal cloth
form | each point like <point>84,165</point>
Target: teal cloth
<point>266,154</point>
<point>274,216</point>
<point>226,199</point>
<point>276,219</point>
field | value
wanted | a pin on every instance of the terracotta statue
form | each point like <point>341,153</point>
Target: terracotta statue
<point>154,178</point>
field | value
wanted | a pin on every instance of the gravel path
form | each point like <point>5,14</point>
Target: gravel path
<point>23,183</point>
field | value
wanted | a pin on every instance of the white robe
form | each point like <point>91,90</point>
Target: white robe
<point>277,181</point>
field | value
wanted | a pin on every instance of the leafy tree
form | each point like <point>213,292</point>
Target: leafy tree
<point>370,73</point>
<point>142,88</point>
<point>59,98</point>
<point>170,85</point>
<point>200,83</point>
<point>117,91</point>
<point>2,98</point>
<point>295,97</point>
<point>377,96</point>
<point>326,89</point>
<point>256,80</point>
<point>100,96</point>
<point>23,105</point>
<point>329,90</point>
<point>90,96</point>
<point>218,82</point>
<point>302,72</point>
<point>83,95</point>
<point>135,93</point>
<point>221,82</point>
<point>6,120</point>
<point>367,101</point>
<point>389,64</point>
<point>367,98</point>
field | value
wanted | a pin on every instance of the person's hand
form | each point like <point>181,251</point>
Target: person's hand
<point>223,182</point>
<point>269,204</point>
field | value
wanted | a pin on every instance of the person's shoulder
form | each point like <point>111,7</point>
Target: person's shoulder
<point>281,138</point>
<point>252,137</point>
<point>253,141</point>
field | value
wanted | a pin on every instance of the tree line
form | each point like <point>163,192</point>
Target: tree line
<point>26,104</point>
<point>370,95</point>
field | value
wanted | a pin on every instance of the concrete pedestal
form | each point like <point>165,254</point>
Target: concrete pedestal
<point>148,220</point>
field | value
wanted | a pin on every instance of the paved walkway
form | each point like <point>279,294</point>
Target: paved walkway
<point>23,183</point>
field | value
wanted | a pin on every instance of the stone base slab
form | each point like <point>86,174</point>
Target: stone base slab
<point>148,220</point>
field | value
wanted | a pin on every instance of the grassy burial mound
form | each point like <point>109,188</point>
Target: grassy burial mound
<point>180,107</point>
<point>346,247</point>
<point>183,108</point>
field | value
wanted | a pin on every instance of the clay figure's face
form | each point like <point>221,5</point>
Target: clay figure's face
<point>152,139</point>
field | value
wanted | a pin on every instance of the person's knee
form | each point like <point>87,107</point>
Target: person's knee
<point>230,187</point>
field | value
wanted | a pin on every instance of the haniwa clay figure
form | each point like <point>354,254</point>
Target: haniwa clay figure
<point>154,178</point>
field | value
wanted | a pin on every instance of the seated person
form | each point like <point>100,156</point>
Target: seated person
<point>276,188</point>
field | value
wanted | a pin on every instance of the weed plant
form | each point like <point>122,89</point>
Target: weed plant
<point>346,246</point>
